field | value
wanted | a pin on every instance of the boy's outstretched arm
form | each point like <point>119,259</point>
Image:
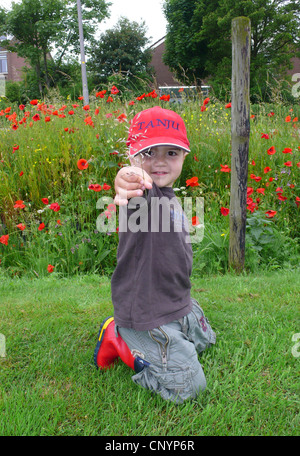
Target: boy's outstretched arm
<point>130,181</point>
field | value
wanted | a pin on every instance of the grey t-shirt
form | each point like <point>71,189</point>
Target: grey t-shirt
<point>151,283</point>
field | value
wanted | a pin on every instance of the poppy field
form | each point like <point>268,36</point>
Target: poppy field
<point>58,157</point>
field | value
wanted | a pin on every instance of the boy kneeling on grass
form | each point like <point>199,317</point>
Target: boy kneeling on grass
<point>157,329</point>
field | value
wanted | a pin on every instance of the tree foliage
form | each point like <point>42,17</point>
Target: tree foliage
<point>122,50</point>
<point>41,26</point>
<point>198,43</point>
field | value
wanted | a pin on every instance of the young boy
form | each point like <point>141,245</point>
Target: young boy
<point>157,329</point>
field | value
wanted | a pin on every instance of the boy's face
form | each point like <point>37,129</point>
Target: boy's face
<point>162,163</point>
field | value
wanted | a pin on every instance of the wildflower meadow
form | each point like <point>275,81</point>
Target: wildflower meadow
<point>58,157</point>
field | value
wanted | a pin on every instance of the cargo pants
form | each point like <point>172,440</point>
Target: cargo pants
<point>170,353</point>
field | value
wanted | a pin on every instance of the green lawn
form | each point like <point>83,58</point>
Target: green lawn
<point>49,385</point>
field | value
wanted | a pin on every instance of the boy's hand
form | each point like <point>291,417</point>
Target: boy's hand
<point>130,181</point>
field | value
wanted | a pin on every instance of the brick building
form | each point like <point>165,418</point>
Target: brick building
<point>11,64</point>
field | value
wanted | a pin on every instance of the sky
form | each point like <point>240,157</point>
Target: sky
<point>135,10</point>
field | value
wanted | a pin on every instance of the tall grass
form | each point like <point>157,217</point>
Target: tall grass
<point>38,159</point>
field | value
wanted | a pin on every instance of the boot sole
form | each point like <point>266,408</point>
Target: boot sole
<point>100,336</point>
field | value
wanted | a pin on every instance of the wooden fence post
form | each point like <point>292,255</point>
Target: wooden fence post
<point>240,132</point>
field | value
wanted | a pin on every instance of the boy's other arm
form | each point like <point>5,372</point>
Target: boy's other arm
<point>130,181</point>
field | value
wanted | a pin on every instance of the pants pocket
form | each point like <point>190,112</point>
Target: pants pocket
<point>200,331</point>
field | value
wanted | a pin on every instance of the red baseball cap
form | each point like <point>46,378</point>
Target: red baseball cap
<point>156,127</point>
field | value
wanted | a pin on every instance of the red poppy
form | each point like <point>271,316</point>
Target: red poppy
<point>165,97</point>
<point>80,98</point>
<point>97,110</point>
<point>21,173</point>
<point>224,211</point>
<point>225,169</point>
<point>45,200</point>
<point>21,226</point>
<point>19,204</point>
<point>193,182</point>
<point>55,207</point>
<point>109,100</point>
<point>152,94</point>
<point>112,207</point>
<point>205,101</point>
<point>71,112</point>
<point>260,190</point>
<point>114,90</point>
<point>106,187</point>
<point>36,117</point>
<point>95,187</point>
<point>249,191</point>
<point>50,268</point>
<point>41,226</point>
<point>297,201</point>
<point>15,147</point>
<point>181,89</point>
<point>288,163</point>
<point>141,97</point>
<point>131,103</point>
<point>265,136</point>
<point>47,119</point>
<point>21,107</point>
<point>195,221</point>
<point>122,117</point>
<point>4,239</point>
<point>288,118</point>
<point>203,108</point>
<point>271,151</point>
<point>82,164</point>
<point>228,105</point>
<point>295,119</point>
<point>267,169</point>
<point>281,197</point>
<point>101,93</point>
<point>34,102</point>
<point>270,214</point>
<point>86,107</point>
<point>271,114</point>
<point>287,150</point>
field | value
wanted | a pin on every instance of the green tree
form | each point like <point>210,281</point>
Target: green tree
<point>41,26</point>
<point>205,27</point>
<point>122,50</point>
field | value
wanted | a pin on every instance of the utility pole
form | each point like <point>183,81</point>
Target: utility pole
<point>83,65</point>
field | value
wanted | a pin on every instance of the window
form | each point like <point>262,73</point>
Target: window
<point>3,63</point>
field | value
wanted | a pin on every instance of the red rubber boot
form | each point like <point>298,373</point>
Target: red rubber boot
<point>109,347</point>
